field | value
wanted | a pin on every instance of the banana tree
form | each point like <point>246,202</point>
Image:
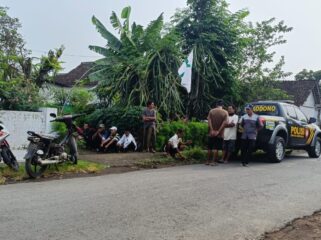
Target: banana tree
<point>139,64</point>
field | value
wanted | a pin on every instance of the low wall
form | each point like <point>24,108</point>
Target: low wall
<point>19,122</point>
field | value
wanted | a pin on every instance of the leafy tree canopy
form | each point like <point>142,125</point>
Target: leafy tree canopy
<point>232,59</point>
<point>18,73</point>
<point>231,55</point>
<point>308,75</point>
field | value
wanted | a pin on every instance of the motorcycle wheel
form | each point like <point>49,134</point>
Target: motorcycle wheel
<point>9,159</point>
<point>73,151</point>
<point>33,168</point>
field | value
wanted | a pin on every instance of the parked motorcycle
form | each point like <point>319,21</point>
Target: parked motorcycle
<point>6,154</point>
<point>43,149</point>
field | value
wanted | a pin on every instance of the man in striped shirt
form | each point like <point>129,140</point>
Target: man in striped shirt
<point>110,144</point>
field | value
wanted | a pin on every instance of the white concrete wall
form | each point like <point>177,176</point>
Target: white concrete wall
<point>19,122</point>
<point>308,108</point>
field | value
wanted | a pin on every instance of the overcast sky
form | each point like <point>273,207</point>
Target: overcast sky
<point>49,23</point>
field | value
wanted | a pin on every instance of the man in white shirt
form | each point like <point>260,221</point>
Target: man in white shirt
<point>230,134</point>
<point>172,147</point>
<point>127,142</point>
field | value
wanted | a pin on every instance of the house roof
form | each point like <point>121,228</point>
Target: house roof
<point>300,90</point>
<point>70,79</point>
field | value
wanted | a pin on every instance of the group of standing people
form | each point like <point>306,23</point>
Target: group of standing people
<point>222,126</point>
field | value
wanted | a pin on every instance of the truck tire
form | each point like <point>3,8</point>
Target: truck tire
<point>277,150</point>
<point>315,151</point>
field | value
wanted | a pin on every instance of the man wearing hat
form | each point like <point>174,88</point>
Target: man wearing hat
<point>110,144</point>
<point>99,136</point>
<point>251,125</point>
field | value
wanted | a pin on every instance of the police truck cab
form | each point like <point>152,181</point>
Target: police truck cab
<point>286,127</point>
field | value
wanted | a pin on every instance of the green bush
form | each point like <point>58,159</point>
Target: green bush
<point>195,131</point>
<point>131,118</point>
<point>60,128</point>
<point>120,117</point>
<point>196,154</point>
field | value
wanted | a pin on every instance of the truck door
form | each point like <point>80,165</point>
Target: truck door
<point>303,121</point>
<point>295,129</point>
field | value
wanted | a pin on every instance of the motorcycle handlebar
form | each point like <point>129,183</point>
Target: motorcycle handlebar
<point>63,118</point>
<point>31,133</point>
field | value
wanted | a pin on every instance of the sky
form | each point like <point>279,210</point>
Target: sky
<point>47,24</point>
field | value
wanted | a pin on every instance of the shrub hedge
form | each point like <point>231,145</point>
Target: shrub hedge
<point>195,131</point>
<point>118,116</point>
<point>132,118</point>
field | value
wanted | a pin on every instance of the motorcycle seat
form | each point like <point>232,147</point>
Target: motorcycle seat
<point>44,136</point>
<point>48,136</point>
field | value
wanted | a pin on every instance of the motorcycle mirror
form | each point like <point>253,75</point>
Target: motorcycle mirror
<point>53,115</point>
<point>312,120</point>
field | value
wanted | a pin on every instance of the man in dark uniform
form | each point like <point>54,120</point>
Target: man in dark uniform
<point>251,125</point>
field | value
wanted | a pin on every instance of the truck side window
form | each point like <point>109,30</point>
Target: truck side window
<point>301,115</point>
<point>291,112</point>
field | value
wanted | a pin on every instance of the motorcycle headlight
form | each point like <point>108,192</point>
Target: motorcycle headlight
<point>40,152</point>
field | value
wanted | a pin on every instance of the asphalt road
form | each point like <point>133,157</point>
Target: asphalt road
<point>190,202</point>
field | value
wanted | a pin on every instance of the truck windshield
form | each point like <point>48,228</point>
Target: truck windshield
<point>266,109</point>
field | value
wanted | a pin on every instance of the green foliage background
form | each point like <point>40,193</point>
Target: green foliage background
<point>118,116</point>
<point>195,131</point>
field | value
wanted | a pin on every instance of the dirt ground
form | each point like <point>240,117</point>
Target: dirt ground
<point>115,160</point>
<point>307,228</point>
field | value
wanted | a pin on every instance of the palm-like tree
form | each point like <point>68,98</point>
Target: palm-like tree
<point>140,65</point>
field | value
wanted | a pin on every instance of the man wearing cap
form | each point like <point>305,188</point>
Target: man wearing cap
<point>99,136</point>
<point>110,144</point>
<point>217,119</point>
<point>251,125</point>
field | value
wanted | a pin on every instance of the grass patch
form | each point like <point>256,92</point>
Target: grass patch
<point>7,174</point>
<point>83,167</point>
<point>194,155</point>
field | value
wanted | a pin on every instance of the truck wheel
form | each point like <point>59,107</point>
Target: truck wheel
<point>277,150</point>
<point>315,151</point>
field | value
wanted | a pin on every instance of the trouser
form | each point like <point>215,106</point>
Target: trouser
<point>96,142</point>
<point>247,148</point>
<point>169,149</point>
<point>130,147</point>
<point>149,137</point>
<point>112,147</point>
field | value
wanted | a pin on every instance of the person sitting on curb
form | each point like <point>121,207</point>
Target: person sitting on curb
<point>127,142</point>
<point>110,144</point>
<point>98,137</point>
<point>175,145</point>
<point>87,133</point>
